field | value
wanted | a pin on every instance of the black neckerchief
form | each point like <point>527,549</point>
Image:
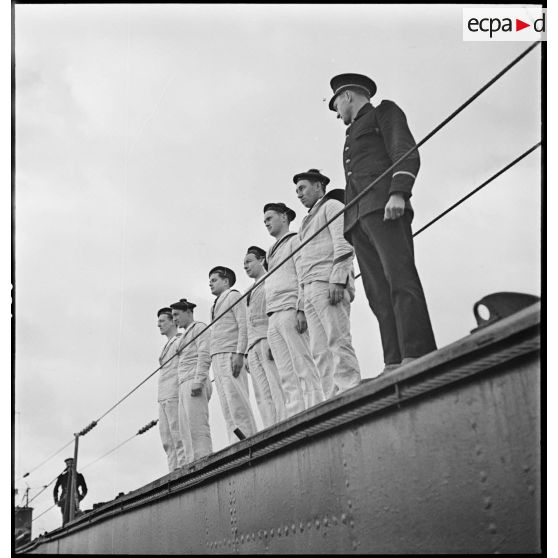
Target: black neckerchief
<point>186,331</point>
<point>250,293</point>
<point>215,303</point>
<point>273,249</point>
<point>167,344</point>
<point>335,194</point>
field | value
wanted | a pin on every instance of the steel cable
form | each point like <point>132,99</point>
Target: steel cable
<point>42,490</point>
<point>109,452</point>
<point>41,514</point>
<point>485,183</point>
<point>336,216</point>
<point>138,433</point>
<point>46,460</point>
<point>472,192</point>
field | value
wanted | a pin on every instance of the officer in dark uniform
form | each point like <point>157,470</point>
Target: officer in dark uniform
<point>63,483</point>
<point>379,225</point>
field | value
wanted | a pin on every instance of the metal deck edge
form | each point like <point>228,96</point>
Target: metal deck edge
<point>478,352</point>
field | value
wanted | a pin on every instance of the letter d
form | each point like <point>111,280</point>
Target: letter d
<point>536,24</point>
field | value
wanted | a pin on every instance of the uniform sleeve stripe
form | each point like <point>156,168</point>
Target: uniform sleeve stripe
<point>404,172</point>
<point>342,257</point>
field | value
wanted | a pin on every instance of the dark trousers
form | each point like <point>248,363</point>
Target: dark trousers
<point>385,254</point>
<point>66,512</point>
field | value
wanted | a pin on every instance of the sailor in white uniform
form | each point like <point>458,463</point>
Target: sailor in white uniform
<point>168,392</point>
<point>228,342</point>
<point>265,376</point>
<point>328,281</point>
<point>287,331</point>
<point>194,387</point>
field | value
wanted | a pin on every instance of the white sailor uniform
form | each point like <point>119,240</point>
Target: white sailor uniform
<point>300,379</point>
<point>229,336</point>
<point>168,405</point>
<point>193,373</point>
<point>328,258</point>
<point>265,376</point>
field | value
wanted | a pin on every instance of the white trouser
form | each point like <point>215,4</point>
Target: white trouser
<point>170,433</point>
<point>266,383</point>
<point>193,420</point>
<point>300,379</point>
<point>233,396</point>
<point>330,338</point>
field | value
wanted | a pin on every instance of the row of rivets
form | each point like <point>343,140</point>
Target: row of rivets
<point>346,519</point>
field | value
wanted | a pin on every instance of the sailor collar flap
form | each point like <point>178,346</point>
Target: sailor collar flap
<point>336,194</point>
<point>220,300</point>
<point>282,240</point>
<point>167,346</point>
<point>255,287</point>
<point>186,332</point>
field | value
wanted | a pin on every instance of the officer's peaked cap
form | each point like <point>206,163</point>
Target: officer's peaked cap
<point>313,174</point>
<point>343,82</point>
<point>68,459</point>
<point>224,272</point>
<point>183,304</point>
<point>280,207</point>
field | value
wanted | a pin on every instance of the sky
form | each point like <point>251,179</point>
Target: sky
<point>149,138</point>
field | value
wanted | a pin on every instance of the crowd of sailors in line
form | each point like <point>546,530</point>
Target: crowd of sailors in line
<point>291,333</point>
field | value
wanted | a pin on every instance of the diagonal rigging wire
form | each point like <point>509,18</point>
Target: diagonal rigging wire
<point>43,489</point>
<point>472,192</point>
<point>336,216</point>
<point>486,182</point>
<point>128,149</point>
<point>46,460</point>
<point>109,452</point>
<point>138,433</point>
<point>41,514</point>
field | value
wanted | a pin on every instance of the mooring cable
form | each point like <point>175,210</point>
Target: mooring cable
<point>355,200</point>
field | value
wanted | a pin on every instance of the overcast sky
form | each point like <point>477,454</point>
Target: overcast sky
<point>149,137</point>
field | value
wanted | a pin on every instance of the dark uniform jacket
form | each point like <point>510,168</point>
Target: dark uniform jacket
<point>375,140</point>
<point>62,482</point>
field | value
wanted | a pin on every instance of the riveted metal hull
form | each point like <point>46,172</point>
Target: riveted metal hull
<point>441,457</point>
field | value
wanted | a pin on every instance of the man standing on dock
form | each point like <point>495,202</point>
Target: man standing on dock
<point>168,392</point>
<point>328,283</point>
<point>228,342</point>
<point>194,387</point>
<point>287,331</point>
<point>63,485</point>
<point>379,224</point>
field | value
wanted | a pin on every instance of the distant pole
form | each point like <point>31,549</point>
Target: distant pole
<point>72,496</point>
<point>66,509</point>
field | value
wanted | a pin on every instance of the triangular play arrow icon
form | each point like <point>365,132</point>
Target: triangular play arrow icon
<point>519,25</point>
